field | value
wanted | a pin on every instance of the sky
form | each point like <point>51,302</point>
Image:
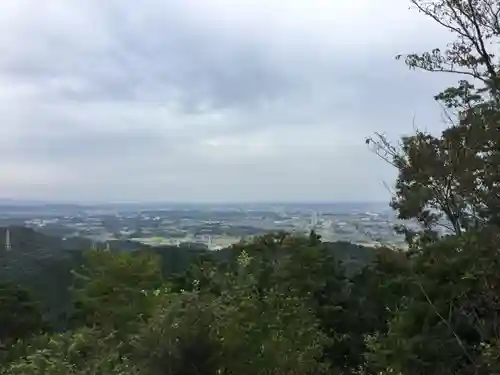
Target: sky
<point>208,100</point>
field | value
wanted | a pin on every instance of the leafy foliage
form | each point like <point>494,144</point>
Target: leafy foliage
<point>446,321</point>
<point>452,180</point>
<point>450,312</point>
<point>83,352</point>
<point>113,289</point>
<point>20,315</point>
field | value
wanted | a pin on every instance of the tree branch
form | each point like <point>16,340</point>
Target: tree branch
<point>448,324</point>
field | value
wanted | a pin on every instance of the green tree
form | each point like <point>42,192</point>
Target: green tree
<point>114,290</point>
<point>448,321</point>
<point>20,315</point>
<point>275,332</point>
<point>177,339</point>
<point>452,181</point>
<point>375,295</point>
<point>238,326</point>
<point>83,352</point>
<point>298,270</point>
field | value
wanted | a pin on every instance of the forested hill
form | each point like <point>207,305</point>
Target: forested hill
<point>43,264</point>
<point>25,239</point>
<point>31,249</point>
<point>32,255</point>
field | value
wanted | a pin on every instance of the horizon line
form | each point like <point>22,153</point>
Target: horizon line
<point>13,201</point>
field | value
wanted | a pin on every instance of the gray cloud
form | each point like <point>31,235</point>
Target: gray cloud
<point>222,100</point>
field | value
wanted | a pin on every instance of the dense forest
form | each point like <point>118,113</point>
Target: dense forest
<point>288,304</point>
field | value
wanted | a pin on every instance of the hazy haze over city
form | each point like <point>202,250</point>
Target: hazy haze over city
<point>207,100</point>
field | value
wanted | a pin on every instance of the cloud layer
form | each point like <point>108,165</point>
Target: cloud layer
<point>207,100</point>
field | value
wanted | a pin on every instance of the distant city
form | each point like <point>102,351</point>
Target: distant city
<point>216,226</point>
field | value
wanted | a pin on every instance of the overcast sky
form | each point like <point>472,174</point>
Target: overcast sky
<point>207,100</point>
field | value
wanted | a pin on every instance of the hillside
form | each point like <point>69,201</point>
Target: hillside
<point>43,264</point>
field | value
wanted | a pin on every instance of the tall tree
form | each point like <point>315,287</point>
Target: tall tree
<point>452,180</point>
<point>447,320</point>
